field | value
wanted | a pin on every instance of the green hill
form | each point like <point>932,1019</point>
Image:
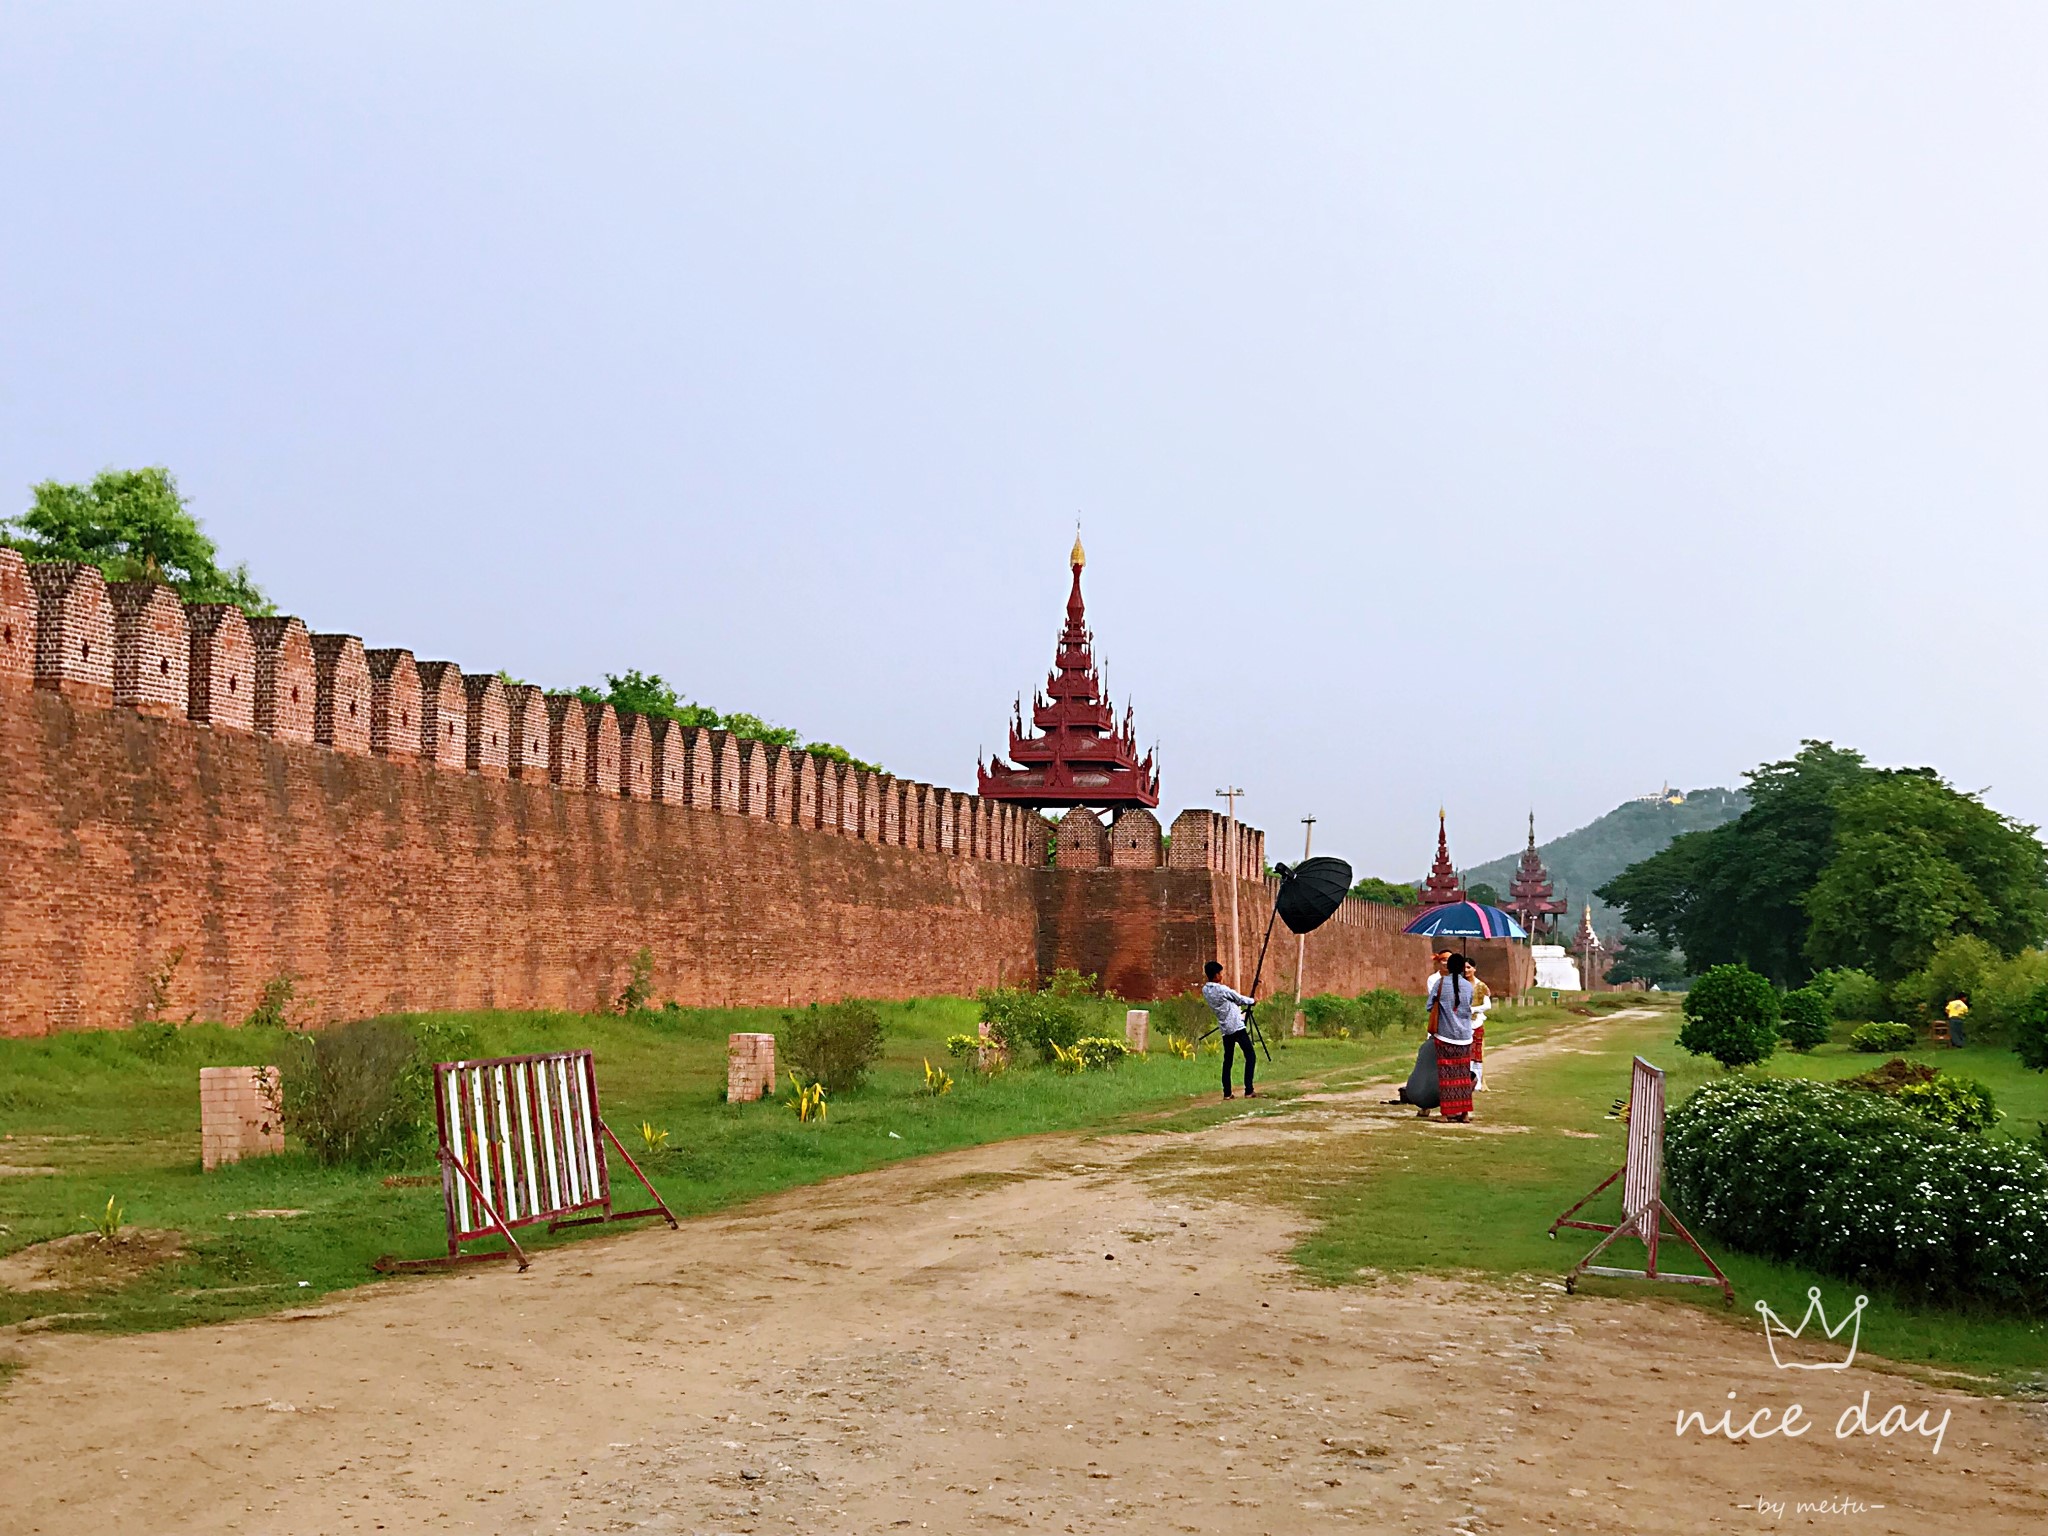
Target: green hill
<point>1583,860</point>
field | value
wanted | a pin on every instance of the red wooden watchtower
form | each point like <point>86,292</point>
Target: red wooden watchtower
<point>1531,896</point>
<point>1442,887</point>
<point>1080,754</point>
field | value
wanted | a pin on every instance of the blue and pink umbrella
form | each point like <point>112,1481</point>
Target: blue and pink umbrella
<point>1467,920</point>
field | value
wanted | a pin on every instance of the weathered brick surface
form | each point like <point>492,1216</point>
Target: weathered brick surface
<point>568,743</point>
<point>754,757</point>
<point>342,694</point>
<point>384,887</point>
<point>725,773</point>
<point>1038,834</point>
<point>152,648</point>
<point>1134,841</point>
<point>829,781</point>
<point>601,749</point>
<point>782,786</point>
<point>526,742</point>
<point>286,683</point>
<point>486,726</point>
<point>394,703</point>
<point>444,715</point>
<point>749,1068</point>
<point>871,808</point>
<point>238,1114</point>
<point>700,771</point>
<point>221,673</point>
<point>1083,842</point>
<point>74,631</point>
<point>1196,840</point>
<point>667,760</point>
<point>17,622</point>
<point>636,756</point>
<point>806,790</point>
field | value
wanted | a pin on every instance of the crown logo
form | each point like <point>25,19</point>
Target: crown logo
<point>1775,1329</point>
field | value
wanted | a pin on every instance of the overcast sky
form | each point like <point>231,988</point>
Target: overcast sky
<point>1495,407</point>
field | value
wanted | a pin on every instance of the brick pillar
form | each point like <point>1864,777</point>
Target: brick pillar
<point>341,700</point>
<point>74,631</point>
<point>725,773</point>
<point>568,740</point>
<point>526,741</point>
<point>221,672</point>
<point>286,679</point>
<point>749,1068</point>
<point>601,750</point>
<point>152,648</point>
<point>1137,1030</point>
<point>17,622</point>
<point>486,727</point>
<point>394,703</point>
<point>444,715</point>
<point>238,1114</point>
<point>636,756</point>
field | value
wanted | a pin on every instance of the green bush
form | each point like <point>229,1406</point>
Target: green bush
<point>1183,1017</point>
<point>1957,966</point>
<point>1882,1037</point>
<point>1803,1018</point>
<point>1731,1014</point>
<point>2030,1034</point>
<point>1383,1009</point>
<point>961,1046</point>
<point>357,1093</point>
<point>1854,997</point>
<point>2003,993</point>
<point>1326,1014</point>
<point>1862,1188</point>
<point>1962,1103</point>
<point>1022,1020</point>
<point>835,1044</point>
<point>1099,1051</point>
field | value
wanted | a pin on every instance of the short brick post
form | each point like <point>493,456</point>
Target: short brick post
<point>238,1114</point>
<point>1137,1029</point>
<point>749,1068</point>
<point>1300,1024</point>
<point>990,1057</point>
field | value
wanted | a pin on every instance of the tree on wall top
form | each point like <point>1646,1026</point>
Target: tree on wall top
<point>132,524</point>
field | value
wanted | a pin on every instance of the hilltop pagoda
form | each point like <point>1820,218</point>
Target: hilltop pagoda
<point>1442,888</point>
<point>1532,898</point>
<point>1080,754</point>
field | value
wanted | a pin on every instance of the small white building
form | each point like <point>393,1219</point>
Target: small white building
<point>1556,970</point>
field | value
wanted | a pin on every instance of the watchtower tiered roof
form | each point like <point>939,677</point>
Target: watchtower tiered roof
<point>1532,897</point>
<point>1081,754</point>
<point>1442,887</point>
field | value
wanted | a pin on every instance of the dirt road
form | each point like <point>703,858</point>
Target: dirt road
<point>1060,1335</point>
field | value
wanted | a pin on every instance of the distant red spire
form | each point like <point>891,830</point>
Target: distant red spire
<point>1442,887</point>
<point>1531,896</point>
<point>1081,755</point>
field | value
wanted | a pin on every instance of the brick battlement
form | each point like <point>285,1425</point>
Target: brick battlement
<point>397,834</point>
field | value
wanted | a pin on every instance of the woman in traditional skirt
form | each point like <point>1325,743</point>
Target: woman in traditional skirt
<point>1421,1088</point>
<point>1450,1023</point>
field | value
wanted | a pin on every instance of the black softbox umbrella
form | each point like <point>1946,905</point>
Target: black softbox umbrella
<point>1310,892</point>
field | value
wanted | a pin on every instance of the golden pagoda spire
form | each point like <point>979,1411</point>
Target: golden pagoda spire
<point>1079,557</point>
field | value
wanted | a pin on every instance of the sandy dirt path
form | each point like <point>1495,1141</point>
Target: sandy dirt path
<point>1064,1335</point>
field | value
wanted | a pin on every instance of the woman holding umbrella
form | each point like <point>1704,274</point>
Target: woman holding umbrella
<point>1450,1026</point>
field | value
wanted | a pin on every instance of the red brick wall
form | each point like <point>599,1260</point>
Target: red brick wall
<point>1134,841</point>
<point>601,749</point>
<point>526,745</point>
<point>74,631</point>
<point>388,884</point>
<point>636,756</point>
<point>568,740</point>
<point>152,648</point>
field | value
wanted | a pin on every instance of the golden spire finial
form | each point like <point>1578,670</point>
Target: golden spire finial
<point>1079,557</point>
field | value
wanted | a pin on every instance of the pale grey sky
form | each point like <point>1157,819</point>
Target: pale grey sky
<point>1486,406</point>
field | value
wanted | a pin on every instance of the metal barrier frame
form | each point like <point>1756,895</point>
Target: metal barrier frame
<point>521,1141</point>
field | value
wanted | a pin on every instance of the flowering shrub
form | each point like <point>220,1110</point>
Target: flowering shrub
<point>1859,1187</point>
<point>1882,1037</point>
<point>1099,1051</point>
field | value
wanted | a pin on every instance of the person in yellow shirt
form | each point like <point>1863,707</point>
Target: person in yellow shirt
<point>1958,1010</point>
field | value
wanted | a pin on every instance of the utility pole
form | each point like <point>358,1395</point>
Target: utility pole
<point>1229,798</point>
<point>1301,940</point>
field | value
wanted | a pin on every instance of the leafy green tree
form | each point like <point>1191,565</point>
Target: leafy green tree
<point>1804,1018</point>
<point>1484,894</point>
<point>1731,1014</point>
<point>1915,861</point>
<point>647,693</point>
<point>1735,894</point>
<point>1641,959</point>
<point>1385,893</point>
<point>2030,1031</point>
<point>132,524</point>
<point>1855,997</point>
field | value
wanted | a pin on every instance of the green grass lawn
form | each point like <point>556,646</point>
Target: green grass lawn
<point>115,1123</point>
<point>1420,1198</point>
